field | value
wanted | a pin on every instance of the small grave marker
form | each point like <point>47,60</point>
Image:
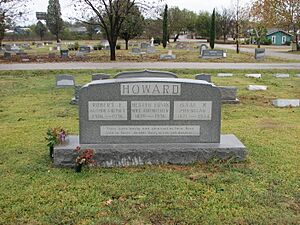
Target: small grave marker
<point>146,73</point>
<point>145,45</point>
<point>259,53</point>
<point>280,75</point>
<point>253,75</point>
<point>257,87</point>
<point>204,77</point>
<point>85,49</point>
<point>203,47</point>
<point>229,95</point>
<point>286,102</point>
<point>64,53</point>
<point>212,54</point>
<point>65,81</point>
<point>100,76</point>
<point>224,75</point>
<point>7,55</point>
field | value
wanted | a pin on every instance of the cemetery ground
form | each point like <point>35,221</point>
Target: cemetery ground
<point>265,189</point>
<point>190,54</point>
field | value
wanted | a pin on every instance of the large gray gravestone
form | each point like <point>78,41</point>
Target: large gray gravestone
<point>64,81</point>
<point>137,121</point>
<point>212,54</point>
<point>205,77</point>
<point>146,73</point>
<point>259,53</point>
<point>100,76</point>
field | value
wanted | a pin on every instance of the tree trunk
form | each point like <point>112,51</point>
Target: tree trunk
<point>297,44</point>
<point>126,42</point>
<point>176,37</point>
<point>57,39</point>
<point>237,46</point>
<point>113,51</point>
<point>224,38</point>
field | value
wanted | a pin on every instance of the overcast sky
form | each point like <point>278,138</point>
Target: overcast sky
<point>194,5</point>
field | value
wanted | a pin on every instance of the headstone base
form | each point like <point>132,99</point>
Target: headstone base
<point>122,155</point>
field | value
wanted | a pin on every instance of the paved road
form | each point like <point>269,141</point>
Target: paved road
<point>272,52</point>
<point>147,65</point>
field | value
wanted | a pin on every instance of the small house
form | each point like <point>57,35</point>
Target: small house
<point>279,37</point>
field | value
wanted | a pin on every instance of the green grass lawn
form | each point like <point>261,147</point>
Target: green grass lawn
<point>265,189</point>
<point>184,55</point>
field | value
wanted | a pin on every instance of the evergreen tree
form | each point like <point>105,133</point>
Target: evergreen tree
<point>212,33</point>
<point>54,21</point>
<point>40,29</point>
<point>165,27</point>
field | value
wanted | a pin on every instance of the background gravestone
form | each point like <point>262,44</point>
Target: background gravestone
<point>205,77</point>
<point>85,49</point>
<point>64,81</point>
<point>75,99</point>
<point>229,94</point>
<point>100,76</point>
<point>64,54</point>
<point>212,54</point>
<point>136,51</point>
<point>146,73</point>
<point>145,45</point>
<point>151,50</point>
<point>7,55</point>
<point>203,47</point>
<point>260,53</point>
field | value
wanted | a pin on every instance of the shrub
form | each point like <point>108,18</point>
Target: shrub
<point>76,46</point>
<point>157,40</point>
<point>118,46</point>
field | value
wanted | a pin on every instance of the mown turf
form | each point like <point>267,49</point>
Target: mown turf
<point>265,189</point>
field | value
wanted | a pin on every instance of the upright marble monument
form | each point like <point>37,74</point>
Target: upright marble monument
<point>150,120</point>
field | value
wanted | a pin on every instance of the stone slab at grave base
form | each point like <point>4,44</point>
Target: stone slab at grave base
<point>121,155</point>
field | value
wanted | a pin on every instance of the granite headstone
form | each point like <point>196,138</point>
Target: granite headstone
<point>138,121</point>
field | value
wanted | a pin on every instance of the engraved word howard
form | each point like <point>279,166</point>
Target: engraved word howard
<point>150,89</point>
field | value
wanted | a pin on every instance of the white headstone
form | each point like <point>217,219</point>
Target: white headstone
<point>281,75</point>
<point>224,74</point>
<point>152,42</point>
<point>286,102</point>
<point>253,75</point>
<point>297,75</point>
<point>257,88</point>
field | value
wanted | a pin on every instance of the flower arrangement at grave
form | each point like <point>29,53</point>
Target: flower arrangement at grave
<point>85,157</point>
<point>55,136</point>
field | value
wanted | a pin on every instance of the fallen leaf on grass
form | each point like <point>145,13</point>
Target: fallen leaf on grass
<point>108,202</point>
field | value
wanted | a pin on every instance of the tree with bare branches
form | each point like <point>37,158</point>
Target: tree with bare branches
<point>111,15</point>
<point>10,10</point>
